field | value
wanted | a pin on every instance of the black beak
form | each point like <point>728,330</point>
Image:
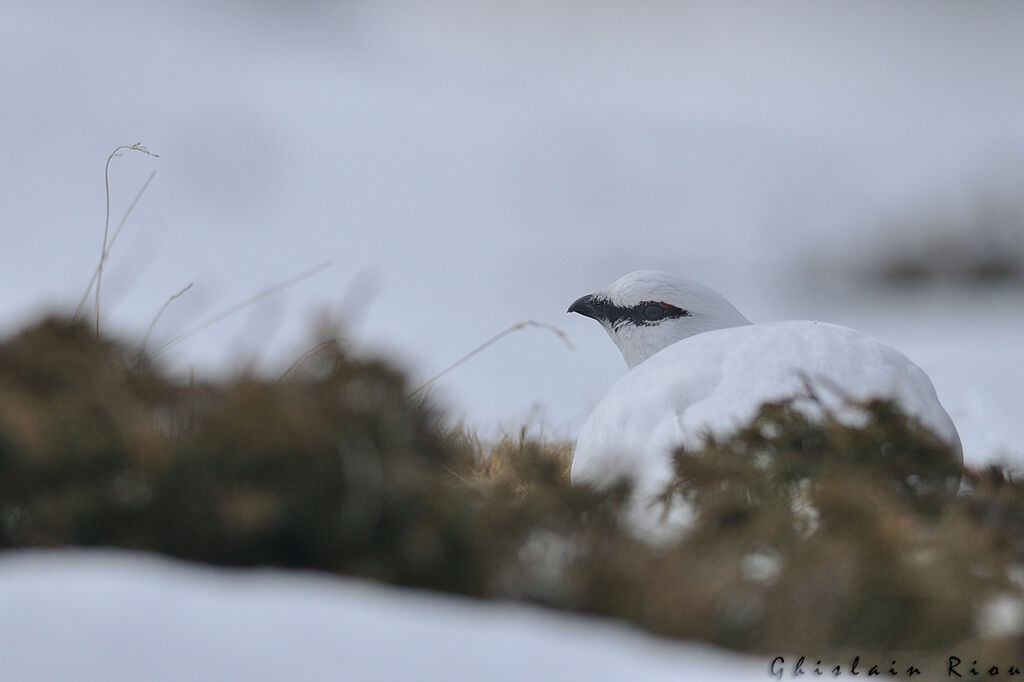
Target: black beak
<point>584,305</point>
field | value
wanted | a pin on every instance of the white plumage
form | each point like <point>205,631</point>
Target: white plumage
<point>698,367</point>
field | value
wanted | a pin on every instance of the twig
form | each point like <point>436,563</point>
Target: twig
<point>131,207</point>
<point>514,328</point>
<point>97,276</point>
<point>110,245</point>
<point>106,223</point>
<point>358,291</point>
<point>308,354</point>
<point>828,384</point>
<point>152,325</point>
<point>461,479</point>
<point>231,310</point>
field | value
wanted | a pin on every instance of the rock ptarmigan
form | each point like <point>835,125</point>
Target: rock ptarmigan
<point>699,367</point>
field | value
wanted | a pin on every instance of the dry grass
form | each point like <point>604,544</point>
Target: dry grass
<point>809,537</point>
<point>108,240</point>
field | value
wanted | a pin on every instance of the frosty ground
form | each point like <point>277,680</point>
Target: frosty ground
<point>113,617</point>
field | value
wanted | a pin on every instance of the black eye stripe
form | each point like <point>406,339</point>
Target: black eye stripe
<point>619,315</point>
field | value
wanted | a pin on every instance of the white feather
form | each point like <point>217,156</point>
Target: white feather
<point>709,373</point>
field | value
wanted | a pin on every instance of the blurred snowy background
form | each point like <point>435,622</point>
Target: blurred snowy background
<point>468,165</point>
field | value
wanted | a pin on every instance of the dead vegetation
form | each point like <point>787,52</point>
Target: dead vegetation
<point>808,536</point>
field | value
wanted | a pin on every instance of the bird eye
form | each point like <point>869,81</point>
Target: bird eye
<point>654,311</point>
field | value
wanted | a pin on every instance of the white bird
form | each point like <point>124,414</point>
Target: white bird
<point>699,367</point>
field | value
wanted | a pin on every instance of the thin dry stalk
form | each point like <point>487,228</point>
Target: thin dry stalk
<point>494,339</point>
<point>108,242</point>
<point>231,310</point>
<point>308,354</point>
<point>152,325</point>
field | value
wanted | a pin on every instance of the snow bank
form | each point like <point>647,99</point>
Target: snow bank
<point>111,616</point>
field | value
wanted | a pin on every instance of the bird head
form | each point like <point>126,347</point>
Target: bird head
<point>648,310</point>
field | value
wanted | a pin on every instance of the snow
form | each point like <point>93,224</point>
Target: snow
<point>468,165</point>
<point>110,616</point>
